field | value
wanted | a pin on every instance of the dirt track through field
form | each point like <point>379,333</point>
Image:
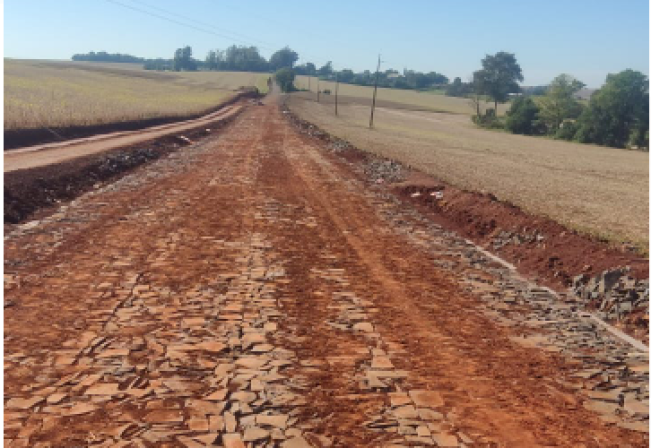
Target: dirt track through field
<point>252,291</point>
<point>41,155</point>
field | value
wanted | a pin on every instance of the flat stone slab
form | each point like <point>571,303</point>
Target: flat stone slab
<point>165,416</point>
<point>232,441</point>
<point>426,398</point>
<point>103,389</point>
<point>364,327</point>
<point>277,421</point>
<point>445,440</point>
<point>253,434</point>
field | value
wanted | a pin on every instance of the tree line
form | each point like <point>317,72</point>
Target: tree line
<point>249,59</point>
<point>616,115</point>
<point>102,56</point>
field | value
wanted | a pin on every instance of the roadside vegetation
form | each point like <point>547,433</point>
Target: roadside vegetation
<point>285,79</point>
<point>617,115</point>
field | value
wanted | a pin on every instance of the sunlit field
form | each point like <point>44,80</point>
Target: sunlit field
<point>433,101</point>
<point>61,94</point>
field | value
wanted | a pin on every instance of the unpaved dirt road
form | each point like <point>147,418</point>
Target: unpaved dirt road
<point>40,155</point>
<point>254,290</point>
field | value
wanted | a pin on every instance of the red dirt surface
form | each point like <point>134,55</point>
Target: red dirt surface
<point>252,277</point>
<point>554,261</point>
<point>548,253</point>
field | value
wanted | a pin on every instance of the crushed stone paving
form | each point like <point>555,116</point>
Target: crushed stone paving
<point>253,290</point>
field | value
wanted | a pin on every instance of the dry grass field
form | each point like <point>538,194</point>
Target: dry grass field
<point>60,94</point>
<point>408,99</point>
<point>597,190</point>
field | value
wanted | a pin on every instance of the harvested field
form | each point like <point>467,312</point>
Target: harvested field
<point>58,95</point>
<point>597,190</point>
<point>395,98</point>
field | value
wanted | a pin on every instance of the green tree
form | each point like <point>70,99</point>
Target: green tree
<point>522,117</point>
<point>498,77</point>
<point>326,70</point>
<point>559,103</point>
<point>310,69</point>
<point>244,59</point>
<point>183,60</point>
<point>618,113</point>
<point>458,88</point>
<point>346,75</point>
<point>283,58</point>
<point>285,79</point>
<point>212,60</point>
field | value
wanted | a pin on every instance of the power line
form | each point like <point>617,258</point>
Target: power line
<point>202,28</point>
<point>207,25</point>
<point>177,22</point>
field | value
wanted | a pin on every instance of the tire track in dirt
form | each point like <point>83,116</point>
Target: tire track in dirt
<point>249,291</point>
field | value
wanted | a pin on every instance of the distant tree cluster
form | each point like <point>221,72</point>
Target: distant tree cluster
<point>183,60</point>
<point>409,79</point>
<point>159,64</point>
<point>102,56</point>
<point>617,114</point>
<point>459,88</point>
<point>237,58</point>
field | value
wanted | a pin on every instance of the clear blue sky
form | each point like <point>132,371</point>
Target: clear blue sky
<point>586,38</point>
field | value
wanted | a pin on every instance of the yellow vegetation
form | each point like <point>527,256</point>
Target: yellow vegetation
<point>61,94</point>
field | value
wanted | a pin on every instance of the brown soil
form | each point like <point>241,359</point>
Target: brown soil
<point>560,255</point>
<point>29,190</point>
<point>553,260</point>
<point>258,232</point>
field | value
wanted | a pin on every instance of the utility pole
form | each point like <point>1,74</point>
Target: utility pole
<point>309,88</point>
<point>336,93</point>
<point>318,92</point>
<point>377,75</point>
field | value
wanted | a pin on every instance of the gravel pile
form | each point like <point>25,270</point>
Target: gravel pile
<point>379,170</point>
<point>614,293</point>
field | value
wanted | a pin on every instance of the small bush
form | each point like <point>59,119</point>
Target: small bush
<point>488,120</point>
<point>567,131</point>
<point>285,79</point>
<point>522,118</point>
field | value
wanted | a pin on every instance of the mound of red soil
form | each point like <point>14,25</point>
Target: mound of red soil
<point>538,246</point>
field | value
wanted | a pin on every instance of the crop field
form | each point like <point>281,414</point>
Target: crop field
<point>597,190</point>
<point>433,101</point>
<point>62,94</point>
